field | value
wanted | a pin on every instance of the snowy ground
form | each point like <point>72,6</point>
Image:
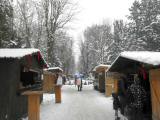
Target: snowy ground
<point>85,105</point>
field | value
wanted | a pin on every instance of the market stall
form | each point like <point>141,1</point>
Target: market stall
<point>101,75</point>
<point>49,79</point>
<point>21,83</point>
<point>141,73</point>
<point>57,85</point>
<point>111,83</point>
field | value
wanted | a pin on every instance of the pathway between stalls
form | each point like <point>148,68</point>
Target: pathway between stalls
<point>85,105</point>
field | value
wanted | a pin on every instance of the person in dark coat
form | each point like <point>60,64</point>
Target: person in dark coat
<point>122,93</point>
<point>116,105</point>
<point>64,79</point>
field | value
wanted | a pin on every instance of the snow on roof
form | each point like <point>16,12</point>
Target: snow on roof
<point>101,65</point>
<point>55,68</point>
<point>94,69</point>
<point>16,53</point>
<point>148,57</point>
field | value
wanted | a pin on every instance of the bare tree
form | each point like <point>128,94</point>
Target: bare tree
<point>65,51</point>
<point>84,57</point>
<point>57,14</point>
<point>96,47</point>
<point>39,26</point>
<point>24,15</point>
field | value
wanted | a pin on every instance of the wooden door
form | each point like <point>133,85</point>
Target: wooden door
<point>102,82</point>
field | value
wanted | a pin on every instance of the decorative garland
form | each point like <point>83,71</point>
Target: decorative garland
<point>143,72</point>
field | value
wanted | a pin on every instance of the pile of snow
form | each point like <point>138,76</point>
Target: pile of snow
<point>148,57</point>
<point>17,53</point>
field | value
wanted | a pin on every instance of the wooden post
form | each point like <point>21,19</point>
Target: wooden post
<point>34,107</point>
<point>58,94</point>
<point>33,104</point>
<point>154,75</point>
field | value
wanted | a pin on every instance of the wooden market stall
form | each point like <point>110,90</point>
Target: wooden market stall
<point>57,88</point>
<point>111,83</point>
<point>145,65</point>
<point>21,83</point>
<point>49,81</point>
<point>101,72</point>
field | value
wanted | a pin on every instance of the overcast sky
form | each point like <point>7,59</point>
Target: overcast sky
<point>96,11</point>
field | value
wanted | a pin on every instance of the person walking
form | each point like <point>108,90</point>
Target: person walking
<point>79,84</point>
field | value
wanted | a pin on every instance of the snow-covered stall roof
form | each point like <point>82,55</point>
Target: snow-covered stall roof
<point>147,57</point>
<point>55,68</point>
<point>94,69</point>
<point>101,67</point>
<point>19,53</point>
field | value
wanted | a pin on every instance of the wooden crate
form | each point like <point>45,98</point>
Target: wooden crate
<point>48,82</point>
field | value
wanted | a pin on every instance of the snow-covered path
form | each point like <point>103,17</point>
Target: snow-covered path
<point>85,105</point>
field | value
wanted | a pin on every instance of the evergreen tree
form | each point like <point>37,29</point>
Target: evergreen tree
<point>119,36</point>
<point>6,24</point>
<point>142,15</point>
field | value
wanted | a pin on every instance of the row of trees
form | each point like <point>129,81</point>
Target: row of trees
<point>102,45</point>
<point>40,24</point>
